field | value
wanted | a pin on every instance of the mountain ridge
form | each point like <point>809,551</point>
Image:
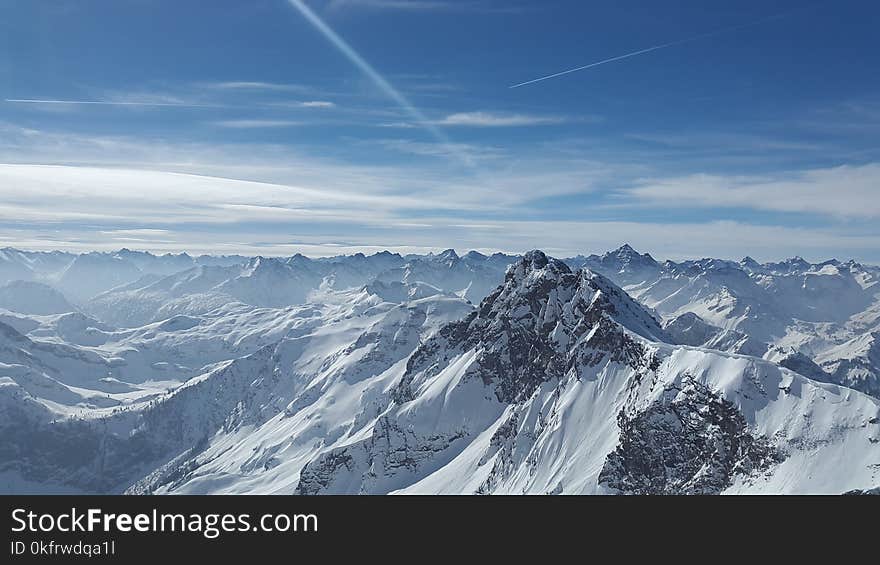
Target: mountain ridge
<point>557,380</point>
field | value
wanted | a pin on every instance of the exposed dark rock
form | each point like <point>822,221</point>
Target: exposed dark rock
<point>503,443</point>
<point>318,474</point>
<point>542,322</point>
<point>859,492</point>
<point>690,441</point>
<point>389,451</point>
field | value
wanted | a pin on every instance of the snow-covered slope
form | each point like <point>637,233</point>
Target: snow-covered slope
<point>248,366</point>
<point>557,384</point>
<point>157,264</point>
<point>690,329</point>
<point>809,312</point>
<point>277,282</point>
<point>471,277</point>
<point>311,393</point>
<point>31,265</point>
<point>29,297</point>
<point>855,363</point>
<point>92,273</point>
<point>378,374</point>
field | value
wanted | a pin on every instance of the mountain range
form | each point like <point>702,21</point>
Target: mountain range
<point>439,373</point>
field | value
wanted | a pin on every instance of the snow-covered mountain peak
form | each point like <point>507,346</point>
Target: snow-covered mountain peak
<point>539,324</point>
<point>621,307</point>
<point>448,257</point>
<point>629,257</point>
<point>791,266</point>
<point>377,374</point>
<point>535,266</point>
<point>535,291</point>
<point>544,292</point>
<point>30,297</point>
<point>624,261</point>
<point>260,263</point>
<point>272,269</point>
<point>90,274</point>
<point>474,256</point>
<point>300,260</point>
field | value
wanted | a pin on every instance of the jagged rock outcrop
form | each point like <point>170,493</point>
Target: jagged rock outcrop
<point>541,323</point>
<point>691,441</point>
<point>559,382</point>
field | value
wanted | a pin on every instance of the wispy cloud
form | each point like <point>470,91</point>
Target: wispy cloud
<point>258,124</point>
<point>317,104</point>
<point>496,7</point>
<point>258,86</point>
<point>726,142</point>
<point>499,184</point>
<point>398,125</point>
<point>495,120</point>
<point>425,88</point>
<point>428,84</point>
<point>373,75</point>
<point>295,104</point>
<point>651,49</point>
<point>853,117</point>
<point>426,149</point>
<point>411,5</point>
<point>845,191</point>
<point>262,198</point>
<point>133,103</point>
<point>136,100</point>
<point>153,199</point>
<point>347,230</point>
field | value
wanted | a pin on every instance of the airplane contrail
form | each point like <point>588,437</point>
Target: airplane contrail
<point>355,58</point>
<point>657,48</point>
<point>106,103</point>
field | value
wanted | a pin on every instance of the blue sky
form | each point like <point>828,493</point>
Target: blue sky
<point>251,127</point>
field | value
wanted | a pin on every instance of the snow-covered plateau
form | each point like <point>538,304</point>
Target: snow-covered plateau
<point>129,372</point>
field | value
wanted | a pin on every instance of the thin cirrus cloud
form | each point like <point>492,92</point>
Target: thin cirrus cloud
<point>367,69</point>
<point>317,104</point>
<point>258,124</point>
<point>131,103</point>
<point>258,86</point>
<point>848,191</point>
<point>151,198</point>
<point>497,120</point>
<point>255,170</point>
<point>426,149</point>
<point>831,192</point>
<point>488,120</point>
<point>172,212</point>
<point>168,103</point>
<point>645,51</point>
<point>236,195</point>
<point>498,7</point>
<point>411,5</point>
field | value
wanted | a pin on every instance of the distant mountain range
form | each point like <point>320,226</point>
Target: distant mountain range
<point>439,373</point>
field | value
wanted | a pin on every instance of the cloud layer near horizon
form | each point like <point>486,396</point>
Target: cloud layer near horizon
<point>335,211</point>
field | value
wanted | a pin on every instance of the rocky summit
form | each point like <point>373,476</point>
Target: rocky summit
<point>446,373</point>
